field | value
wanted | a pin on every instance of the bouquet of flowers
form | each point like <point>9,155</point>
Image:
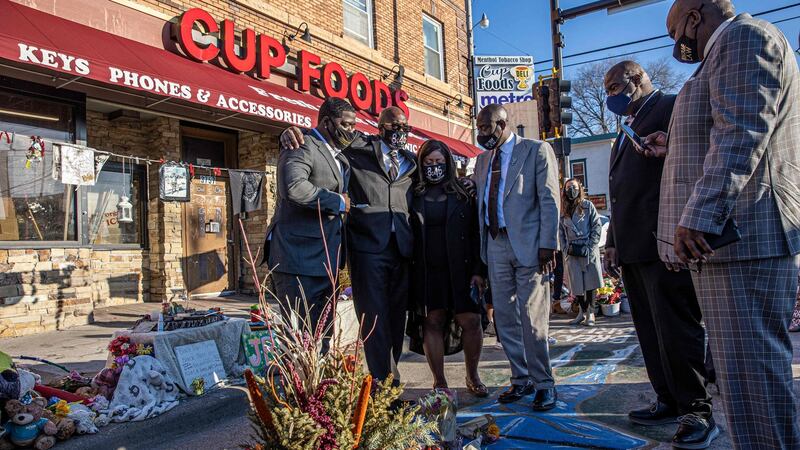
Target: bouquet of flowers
<point>312,400</point>
<point>440,406</point>
<point>122,349</point>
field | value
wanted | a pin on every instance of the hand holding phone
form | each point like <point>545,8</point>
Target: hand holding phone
<point>636,141</point>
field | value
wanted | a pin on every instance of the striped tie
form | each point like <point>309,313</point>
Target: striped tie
<point>394,166</point>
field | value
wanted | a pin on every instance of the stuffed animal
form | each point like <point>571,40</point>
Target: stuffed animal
<point>66,426</point>
<point>28,427</point>
<point>9,384</point>
<point>105,382</point>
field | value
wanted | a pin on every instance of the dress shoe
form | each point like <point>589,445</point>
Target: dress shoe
<point>515,392</point>
<point>695,432</point>
<point>545,399</point>
<point>657,414</point>
<point>579,318</point>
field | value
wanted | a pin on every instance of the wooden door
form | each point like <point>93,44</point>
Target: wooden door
<point>208,235</point>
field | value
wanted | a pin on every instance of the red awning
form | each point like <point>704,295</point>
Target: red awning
<point>36,38</point>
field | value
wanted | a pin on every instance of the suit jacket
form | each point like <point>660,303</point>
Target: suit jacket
<point>634,183</point>
<point>307,177</point>
<point>734,148</point>
<point>462,244</point>
<point>376,201</point>
<point>530,199</point>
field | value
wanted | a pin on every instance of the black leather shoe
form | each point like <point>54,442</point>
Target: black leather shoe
<point>695,432</point>
<point>657,414</point>
<point>515,393</point>
<point>545,399</point>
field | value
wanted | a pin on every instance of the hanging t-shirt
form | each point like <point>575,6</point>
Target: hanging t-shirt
<point>246,190</point>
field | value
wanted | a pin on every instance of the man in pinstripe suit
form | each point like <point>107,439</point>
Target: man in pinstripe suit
<point>733,152</point>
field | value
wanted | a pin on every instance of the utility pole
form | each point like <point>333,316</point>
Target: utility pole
<point>558,44</point>
<point>471,68</point>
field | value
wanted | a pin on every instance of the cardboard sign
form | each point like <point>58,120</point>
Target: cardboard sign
<point>200,360</point>
<point>258,350</point>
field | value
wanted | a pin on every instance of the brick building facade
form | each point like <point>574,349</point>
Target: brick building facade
<point>63,251</point>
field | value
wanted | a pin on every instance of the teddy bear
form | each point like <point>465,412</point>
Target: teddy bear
<point>65,426</point>
<point>27,426</point>
<point>104,383</point>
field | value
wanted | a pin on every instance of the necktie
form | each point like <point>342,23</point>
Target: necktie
<point>494,190</point>
<point>394,165</point>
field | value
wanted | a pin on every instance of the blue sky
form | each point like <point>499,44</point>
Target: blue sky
<point>523,27</point>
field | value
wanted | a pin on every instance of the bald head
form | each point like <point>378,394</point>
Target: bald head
<point>628,78</point>
<point>698,19</point>
<point>392,115</point>
<point>493,121</point>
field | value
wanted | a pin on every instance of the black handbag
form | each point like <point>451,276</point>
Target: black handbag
<point>578,250</point>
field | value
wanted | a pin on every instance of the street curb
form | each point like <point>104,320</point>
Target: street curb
<point>194,415</point>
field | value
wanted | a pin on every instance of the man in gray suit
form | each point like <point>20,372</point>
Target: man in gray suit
<point>733,154</point>
<point>517,184</point>
<point>312,187</point>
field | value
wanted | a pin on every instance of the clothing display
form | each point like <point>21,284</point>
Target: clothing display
<point>246,190</point>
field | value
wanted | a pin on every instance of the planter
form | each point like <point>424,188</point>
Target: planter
<point>610,310</point>
<point>625,305</point>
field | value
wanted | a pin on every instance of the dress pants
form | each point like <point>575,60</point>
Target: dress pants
<point>316,291</point>
<point>521,300</point>
<point>380,294</point>
<point>747,307</point>
<point>667,319</point>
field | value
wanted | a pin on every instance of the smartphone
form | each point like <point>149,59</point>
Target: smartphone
<point>638,143</point>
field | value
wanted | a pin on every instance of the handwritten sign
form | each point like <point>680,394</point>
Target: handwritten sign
<point>257,349</point>
<point>200,360</point>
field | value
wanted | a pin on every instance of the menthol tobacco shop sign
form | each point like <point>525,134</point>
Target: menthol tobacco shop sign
<point>503,79</point>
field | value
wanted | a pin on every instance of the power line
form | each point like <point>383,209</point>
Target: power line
<point>625,44</point>
<point>507,43</point>
<point>648,49</point>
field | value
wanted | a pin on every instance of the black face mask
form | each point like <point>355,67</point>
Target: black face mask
<point>572,193</point>
<point>435,173</point>
<point>686,49</point>
<point>489,142</point>
<point>342,138</point>
<point>395,139</point>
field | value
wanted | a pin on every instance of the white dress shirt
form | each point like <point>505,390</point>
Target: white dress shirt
<point>506,148</point>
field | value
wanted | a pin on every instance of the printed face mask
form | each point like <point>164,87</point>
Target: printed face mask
<point>686,49</point>
<point>435,173</point>
<point>342,138</point>
<point>489,142</point>
<point>395,139</point>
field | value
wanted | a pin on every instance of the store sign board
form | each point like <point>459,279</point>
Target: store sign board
<point>259,54</point>
<point>503,79</point>
<point>599,201</point>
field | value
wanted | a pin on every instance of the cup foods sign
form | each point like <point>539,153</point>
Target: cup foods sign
<point>503,79</point>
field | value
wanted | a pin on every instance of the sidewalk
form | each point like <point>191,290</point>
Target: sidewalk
<point>599,373</point>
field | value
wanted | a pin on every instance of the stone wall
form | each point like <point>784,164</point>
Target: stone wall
<point>49,289</point>
<point>258,151</point>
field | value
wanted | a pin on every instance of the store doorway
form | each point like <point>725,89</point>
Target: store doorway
<point>208,231</point>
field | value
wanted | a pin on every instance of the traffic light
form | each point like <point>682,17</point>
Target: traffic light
<point>552,98</point>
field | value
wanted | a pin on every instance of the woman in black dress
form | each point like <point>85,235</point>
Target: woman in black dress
<point>447,272</point>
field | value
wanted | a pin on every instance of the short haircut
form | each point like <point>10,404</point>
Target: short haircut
<point>333,108</point>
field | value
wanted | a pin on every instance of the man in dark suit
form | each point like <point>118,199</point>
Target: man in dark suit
<point>312,198</point>
<point>379,237</point>
<point>665,311</point>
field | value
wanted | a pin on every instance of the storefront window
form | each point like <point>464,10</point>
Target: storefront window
<point>102,202</point>
<point>34,206</point>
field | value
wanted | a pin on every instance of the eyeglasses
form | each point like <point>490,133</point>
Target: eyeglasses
<point>398,127</point>
<point>692,266</point>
